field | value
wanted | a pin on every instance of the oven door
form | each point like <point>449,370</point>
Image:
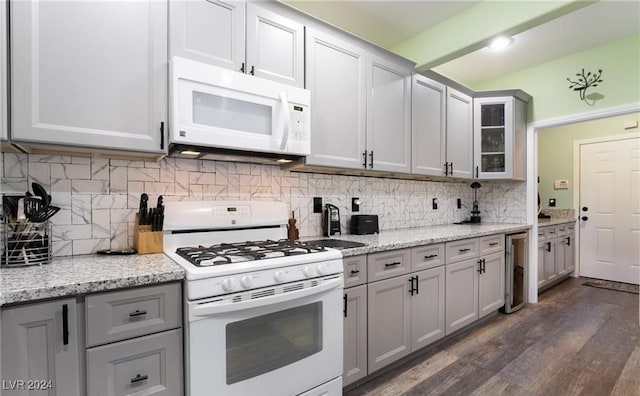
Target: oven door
<point>282,340</point>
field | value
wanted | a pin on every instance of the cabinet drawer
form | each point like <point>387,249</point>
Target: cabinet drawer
<point>461,250</point>
<point>130,313</point>
<point>551,232</point>
<point>150,365</point>
<point>561,230</point>
<point>428,256</point>
<point>542,234</point>
<point>385,265</point>
<point>355,270</point>
<point>491,244</point>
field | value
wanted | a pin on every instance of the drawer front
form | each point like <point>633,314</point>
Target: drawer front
<point>428,256</point>
<point>130,313</point>
<point>542,234</point>
<point>385,265</point>
<point>571,229</point>
<point>491,244</point>
<point>551,232</point>
<point>355,270</point>
<point>561,230</point>
<point>150,365</point>
<point>461,250</point>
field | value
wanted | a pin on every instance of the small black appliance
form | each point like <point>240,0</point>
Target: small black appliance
<point>475,212</point>
<point>364,224</point>
<point>331,220</point>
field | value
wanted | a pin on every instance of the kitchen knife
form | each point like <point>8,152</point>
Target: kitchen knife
<point>142,211</point>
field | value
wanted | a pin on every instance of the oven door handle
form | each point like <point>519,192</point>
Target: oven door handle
<point>202,310</point>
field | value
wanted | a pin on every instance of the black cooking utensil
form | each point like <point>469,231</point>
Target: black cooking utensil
<point>40,191</point>
<point>44,214</point>
<point>142,210</point>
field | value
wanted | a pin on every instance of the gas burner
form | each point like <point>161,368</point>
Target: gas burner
<point>228,253</point>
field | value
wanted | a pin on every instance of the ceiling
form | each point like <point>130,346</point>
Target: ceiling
<point>389,23</point>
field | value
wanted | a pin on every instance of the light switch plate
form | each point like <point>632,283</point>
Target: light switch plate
<point>561,184</point>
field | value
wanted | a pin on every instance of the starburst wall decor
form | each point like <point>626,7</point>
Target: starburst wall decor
<point>584,82</point>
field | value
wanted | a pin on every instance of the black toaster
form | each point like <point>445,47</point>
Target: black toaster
<point>364,224</point>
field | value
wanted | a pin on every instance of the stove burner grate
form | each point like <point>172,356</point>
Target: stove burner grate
<point>227,253</point>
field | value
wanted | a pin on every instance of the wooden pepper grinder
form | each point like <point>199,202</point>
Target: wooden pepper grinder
<point>292,230</point>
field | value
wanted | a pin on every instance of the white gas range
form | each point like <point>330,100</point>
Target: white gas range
<point>263,315</point>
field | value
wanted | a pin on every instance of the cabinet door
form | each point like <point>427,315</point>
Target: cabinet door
<point>550,272</point>
<point>559,244</point>
<point>335,72</point>
<point>460,133</point>
<point>4,134</point>
<point>493,138</point>
<point>462,294</point>
<point>388,116</point>
<point>34,347</point>
<point>355,334</point>
<point>275,46</point>
<point>427,308</point>
<point>149,365</point>
<point>491,284</point>
<point>209,31</point>
<point>428,126</point>
<point>89,73</point>
<point>389,321</point>
<point>542,246</point>
<point>569,252</point>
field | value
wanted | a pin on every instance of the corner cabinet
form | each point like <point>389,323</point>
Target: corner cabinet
<point>361,102</point>
<point>238,36</point>
<point>74,83</point>
<point>41,344</point>
<point>500,138</point>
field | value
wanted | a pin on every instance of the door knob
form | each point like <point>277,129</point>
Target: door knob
<point>584,218</point>
<point>584,208</point>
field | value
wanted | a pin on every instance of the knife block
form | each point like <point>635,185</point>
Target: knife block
<point>146,241</point>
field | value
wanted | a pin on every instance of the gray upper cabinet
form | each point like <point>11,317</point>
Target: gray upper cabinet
<point>208,31</point>
<point>4,132</point>
<point>336,76</point>
<point>459,134</point>
<point>388,115</point>
<point>500,138</point>
<point>239,36</point>
<point>428,126</point>
<point>40,342</point>
<point>90,74</point>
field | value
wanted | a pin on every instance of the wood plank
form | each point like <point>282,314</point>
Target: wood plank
<point>629,381</point>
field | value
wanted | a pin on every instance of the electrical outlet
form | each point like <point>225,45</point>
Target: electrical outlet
<point>459,203</point>
<point>552,202</point>
<point>317,204</point>
<point>355,204</point>
<point>434,203</point>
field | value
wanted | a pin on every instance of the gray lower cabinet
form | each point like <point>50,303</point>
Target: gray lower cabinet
<point>41,348</point>
<point>150,365</point>
<point>355,334</point>
<point>556,253</point>
<point>406,312</point>
<point>74,83</point>
<point>474,286</point>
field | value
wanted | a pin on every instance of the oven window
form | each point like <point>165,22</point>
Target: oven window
<point>265,343</point>
<point>229,113</point>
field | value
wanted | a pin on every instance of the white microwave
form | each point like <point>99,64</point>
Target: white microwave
<point>213,107</point>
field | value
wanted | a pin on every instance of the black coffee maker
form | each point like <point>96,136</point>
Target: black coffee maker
<point>475,212</point>
<point>331,220</point>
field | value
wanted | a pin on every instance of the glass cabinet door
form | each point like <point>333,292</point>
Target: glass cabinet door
<point>492,138</point>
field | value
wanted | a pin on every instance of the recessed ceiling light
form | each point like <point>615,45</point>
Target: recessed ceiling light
<point>499,43</point>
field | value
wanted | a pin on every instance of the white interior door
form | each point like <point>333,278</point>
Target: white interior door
<point>610,225</point>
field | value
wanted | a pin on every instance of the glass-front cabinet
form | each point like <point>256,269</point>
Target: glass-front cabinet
<point>499,138</point>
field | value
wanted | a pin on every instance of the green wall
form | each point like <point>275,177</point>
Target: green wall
<point>555,153</point>
<point>547,83</point>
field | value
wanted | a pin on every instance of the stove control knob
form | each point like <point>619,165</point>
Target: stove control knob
<point>246,281</point>
<point>322,269</point>
<point>308,272</point>
<point>279,276</point>
<point>228,284</point>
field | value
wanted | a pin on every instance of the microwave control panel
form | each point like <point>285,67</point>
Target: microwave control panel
<point>299,121</point>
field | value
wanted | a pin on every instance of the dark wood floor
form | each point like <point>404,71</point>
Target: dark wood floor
<point>577,340</point>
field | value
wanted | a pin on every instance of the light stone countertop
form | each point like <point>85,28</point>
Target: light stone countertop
<point>409,237</point>
<point>73,275</point>
<point>554,221</point>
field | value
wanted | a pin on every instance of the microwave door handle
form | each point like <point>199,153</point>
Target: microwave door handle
<point>286,114</point>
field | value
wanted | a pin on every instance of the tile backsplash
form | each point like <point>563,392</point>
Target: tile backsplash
<point>99,196</point>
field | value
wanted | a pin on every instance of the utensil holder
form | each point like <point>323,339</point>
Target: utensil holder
<point>25,243</point>
<point>146,241</point>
